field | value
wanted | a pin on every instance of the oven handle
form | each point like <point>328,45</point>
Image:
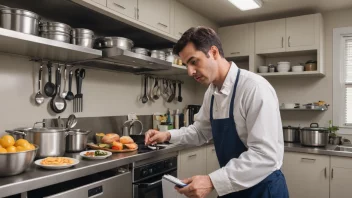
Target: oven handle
<point>149,185</point>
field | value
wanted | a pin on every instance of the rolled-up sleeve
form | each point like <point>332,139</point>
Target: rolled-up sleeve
<point>264,154</point>
<point>200,131</point>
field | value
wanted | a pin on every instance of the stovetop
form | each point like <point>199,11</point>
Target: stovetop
<point>142,148</point>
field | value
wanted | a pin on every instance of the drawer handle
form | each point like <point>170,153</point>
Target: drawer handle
<point>120,6</point>
<point>308,159</point>
<point>194,155</point>
<point>289,44</point>
<point>332,173</point>
<point>235,52</point>
<point>325,172</point>
<point>162,25</point>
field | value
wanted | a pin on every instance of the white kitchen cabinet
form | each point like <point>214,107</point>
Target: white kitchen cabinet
<point>307,175</point>
<point>270,36</point>
<point>185,18</point>
<point>192,162</point>
<point>101,2</point>
<point>212,165</point>
<point>235,40</point>
<point>155,13</point>
<point>125,7</point>
<point>341,177</point>
<point>303,32</point>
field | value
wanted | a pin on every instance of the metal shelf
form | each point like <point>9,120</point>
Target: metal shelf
<point>175,70</point>
<point>304,109</point>
<point>298,74</point>
<point>37,47</point>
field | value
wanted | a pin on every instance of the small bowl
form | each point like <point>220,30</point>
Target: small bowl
<point>263,69</point>
<point>297,68</point>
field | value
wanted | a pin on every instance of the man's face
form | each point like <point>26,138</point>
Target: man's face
<point>199,66</point>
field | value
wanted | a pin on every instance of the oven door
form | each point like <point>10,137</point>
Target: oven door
<point>150,188</point>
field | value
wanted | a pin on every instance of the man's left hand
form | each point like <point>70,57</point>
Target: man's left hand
<point>198,186</point>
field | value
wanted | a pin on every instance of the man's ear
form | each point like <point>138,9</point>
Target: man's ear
<point>214,52</point>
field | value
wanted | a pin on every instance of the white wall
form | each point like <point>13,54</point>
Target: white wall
<point>105,94</point>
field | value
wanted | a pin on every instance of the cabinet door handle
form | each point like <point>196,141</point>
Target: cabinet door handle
<point>162,25</point>
<point>135,13</point>
<point>235,52</point>
<point>289,44</point>
<point>308,159</point>
<point>282,42</point>
<point>325,172</point>
<point>120,6</point>
<point>194,155</point>
<point>332,173</point>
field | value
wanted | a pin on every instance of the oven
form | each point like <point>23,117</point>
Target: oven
<point>147,177</point>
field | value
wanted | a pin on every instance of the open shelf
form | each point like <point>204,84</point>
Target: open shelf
<point>13,42</point>
<point>304,109</point>
<point>175,70</point>
<point>297,74</point>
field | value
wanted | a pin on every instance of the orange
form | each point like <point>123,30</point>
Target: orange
<point>2,150</point>
<point>20,148</point>
<point>11,149</point>
<point>22,142</point>
<point>31,147</point>
<point>7,140</point>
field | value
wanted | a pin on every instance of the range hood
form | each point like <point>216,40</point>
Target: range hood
<point>126,61</point>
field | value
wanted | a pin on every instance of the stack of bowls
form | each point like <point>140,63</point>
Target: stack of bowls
<point>142,51</point>
<point>158,54</point>
<point>82,37</point>
<point>283,66</point>
<point>56,31</point>
<point>263,69</point>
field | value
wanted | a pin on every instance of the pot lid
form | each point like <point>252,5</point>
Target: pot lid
<point>315,127</point>
<point>47,130</point>
<point>290,127</point>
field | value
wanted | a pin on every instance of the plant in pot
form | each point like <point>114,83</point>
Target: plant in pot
<point>333,137</point>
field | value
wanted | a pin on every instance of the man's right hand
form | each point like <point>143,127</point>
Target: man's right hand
<point>153,137</point>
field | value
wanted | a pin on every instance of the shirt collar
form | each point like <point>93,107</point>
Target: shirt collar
<point>229,81</point>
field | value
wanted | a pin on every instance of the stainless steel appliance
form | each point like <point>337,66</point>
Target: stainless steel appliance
<point>112,183</point>
<point>291,134</point>
<point>147,176</point>
<point>314,135</point>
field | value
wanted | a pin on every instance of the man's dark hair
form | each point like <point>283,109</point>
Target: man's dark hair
<point>202,38</point>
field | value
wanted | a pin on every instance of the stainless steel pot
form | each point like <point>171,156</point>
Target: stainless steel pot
<point>142,51</point>
<point>55,27</point>
<point>51,141</point>
<point>82,37</point>
<point>57,36</point>
<point>16,163</point>
<point>314,135</point>
<point>76,140</point>
<point>108,42</point>
<point>19,20</point>
<point>291,134</point>
<point>158,54</point>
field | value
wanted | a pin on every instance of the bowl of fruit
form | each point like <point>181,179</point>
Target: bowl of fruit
<point>15,156</point>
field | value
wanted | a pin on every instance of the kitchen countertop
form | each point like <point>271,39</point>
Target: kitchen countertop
<point>36,177</point>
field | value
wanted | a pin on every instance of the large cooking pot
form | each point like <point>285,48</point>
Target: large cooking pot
<point>19,20</point>
<point>51,141</point>
<point>314,135</point>
<point>119,42</point>
<point>291,134</point>
<point>76,140</point>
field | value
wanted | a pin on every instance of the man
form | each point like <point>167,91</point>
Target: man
<point>240,112</point>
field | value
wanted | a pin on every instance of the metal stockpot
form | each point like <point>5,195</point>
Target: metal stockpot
<point>314,135</point>
<point>51,141</point>
<point>291,134</point>
<point>19,20</point>
<point>119,42</point>
<point>76,140</point>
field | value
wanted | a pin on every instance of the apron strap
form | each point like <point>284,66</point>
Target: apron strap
<point>211,108</point>
<point>234,93</point>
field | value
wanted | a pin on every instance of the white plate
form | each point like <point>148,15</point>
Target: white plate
<point>95,157</point>
<point>75,162</point>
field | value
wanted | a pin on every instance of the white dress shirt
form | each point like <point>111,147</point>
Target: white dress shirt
<point>258,123</point>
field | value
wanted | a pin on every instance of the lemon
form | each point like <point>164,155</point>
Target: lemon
<point>20,148</point>
<point>11,149</point>
<point>24,143</point>
<point>2,150</point>
<point>7,141</point>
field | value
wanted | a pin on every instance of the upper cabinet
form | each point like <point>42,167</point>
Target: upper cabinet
<point>270,36</point>
<point>125,7</point>
<point>155,13</point>
<point>287,35</point>
<point>236,39</point>
<point>185,18</point>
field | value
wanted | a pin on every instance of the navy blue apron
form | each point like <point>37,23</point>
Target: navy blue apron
<point>228,145</point>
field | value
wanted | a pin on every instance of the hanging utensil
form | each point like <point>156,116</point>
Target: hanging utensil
<point>39,98</point>
<point>70,95</point>
<point>155,90</point>
<point>173,92</point>
<point>64,92</point>
<point>71,121</point>
<point>78,100</point>
<point>179,98</point>
<point>150,87</point>
<point>57,103</point>
<point>145,98</point>
<point>49,88</point>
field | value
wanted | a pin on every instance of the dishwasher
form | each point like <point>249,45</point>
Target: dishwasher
<point>112,183</point>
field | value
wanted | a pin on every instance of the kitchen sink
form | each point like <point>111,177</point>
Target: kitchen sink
<point>343,148</point>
